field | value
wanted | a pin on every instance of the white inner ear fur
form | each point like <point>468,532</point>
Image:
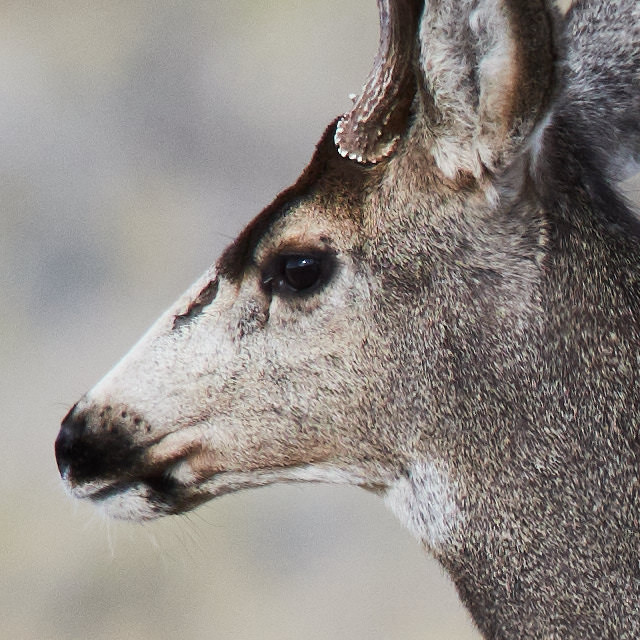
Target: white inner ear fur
<point>473,128</point>
<point>496,73</point>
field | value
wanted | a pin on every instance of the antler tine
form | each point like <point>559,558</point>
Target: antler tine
<point>370,131</point>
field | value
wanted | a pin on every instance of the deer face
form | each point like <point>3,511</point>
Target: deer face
<point>261,372</point>
<point>303,354</point>
<point>323,344</point>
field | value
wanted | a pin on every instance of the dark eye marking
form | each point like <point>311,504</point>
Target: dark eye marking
<point>292,273</point>
<point>203,299</point>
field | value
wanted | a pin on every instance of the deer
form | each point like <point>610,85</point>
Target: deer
<point>444,309</point>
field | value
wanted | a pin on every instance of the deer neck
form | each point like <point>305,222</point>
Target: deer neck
<point>531,501</point>
<point>540,541</point>
<point>557,565</point>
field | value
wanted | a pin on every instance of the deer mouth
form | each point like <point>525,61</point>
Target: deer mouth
<point>128,477</point>
<point>143,490</point>
<point>152,497</point>
<point>102,459</point>
<point>174,488</point>
<point>109,457</point>
<point>139,495</point>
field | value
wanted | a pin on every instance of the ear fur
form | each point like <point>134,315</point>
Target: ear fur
<point>488,70</point>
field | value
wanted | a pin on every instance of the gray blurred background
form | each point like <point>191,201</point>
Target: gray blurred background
<point>136,139</point>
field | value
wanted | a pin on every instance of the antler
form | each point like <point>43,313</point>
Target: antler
<point>370,131</point>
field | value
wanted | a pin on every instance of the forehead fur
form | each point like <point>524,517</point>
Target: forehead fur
<point>330,187</point>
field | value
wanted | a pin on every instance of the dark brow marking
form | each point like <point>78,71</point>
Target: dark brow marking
<point>203,299</point>
<point>235,258</point>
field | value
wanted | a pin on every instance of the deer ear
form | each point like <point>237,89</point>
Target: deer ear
<point>488,73</point>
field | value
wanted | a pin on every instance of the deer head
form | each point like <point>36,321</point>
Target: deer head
<point>409,317</point>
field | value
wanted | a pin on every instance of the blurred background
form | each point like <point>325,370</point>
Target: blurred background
<point>136,139</point>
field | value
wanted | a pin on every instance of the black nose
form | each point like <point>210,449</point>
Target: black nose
<point>82,450</point>
<point>69,437</point>
<point>96,442</point>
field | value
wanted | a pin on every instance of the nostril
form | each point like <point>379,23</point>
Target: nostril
<point>72,428</point>
<point>97,442</point>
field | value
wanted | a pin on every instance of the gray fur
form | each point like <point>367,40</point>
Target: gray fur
<point>473,355</point>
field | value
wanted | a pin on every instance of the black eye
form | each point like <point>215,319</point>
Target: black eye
<point>298,273</point>
<point>301,272</point>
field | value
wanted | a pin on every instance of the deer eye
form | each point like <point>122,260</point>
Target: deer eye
<point>297,273</point>
<point>301,272</point>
